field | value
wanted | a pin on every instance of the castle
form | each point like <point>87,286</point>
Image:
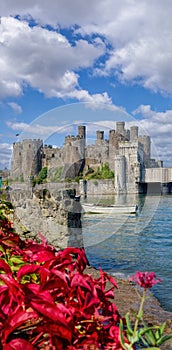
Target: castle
<point>126,152</point>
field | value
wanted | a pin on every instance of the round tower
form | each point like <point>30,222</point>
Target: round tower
<point>120,174</point>
<point>146,142</point>
<point>111,136</point>
<point>120,127</point>
<point>82,131</point>
<point>100,135</point>
<point>31,157</point>
<point>134,133</point>
<point>16,162</point>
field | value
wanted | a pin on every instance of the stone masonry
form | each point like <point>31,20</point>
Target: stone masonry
<point>57,217</point>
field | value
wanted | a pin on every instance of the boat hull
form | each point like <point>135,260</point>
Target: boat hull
<point>113,209</point>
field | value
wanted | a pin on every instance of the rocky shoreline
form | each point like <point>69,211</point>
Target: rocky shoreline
<point>127,299</point>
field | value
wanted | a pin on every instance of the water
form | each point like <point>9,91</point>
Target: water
<point>125,244</point>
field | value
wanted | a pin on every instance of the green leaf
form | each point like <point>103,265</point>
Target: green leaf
<point>147,329</point>
<point>124,345</point>
<point>162,327</point>
<point>158,334</point>
<point>121,334</point>
<point>16,260</point>
<point>163,339</point>
<point>2,249</point>
<point>143,341</point>
<point>129,327</point>
<point>150,338</point>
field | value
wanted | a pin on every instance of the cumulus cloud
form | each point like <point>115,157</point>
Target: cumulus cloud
<point>41,59</point>
<point>137,35</point>
<point>132,37</point>
<point>60,12</point>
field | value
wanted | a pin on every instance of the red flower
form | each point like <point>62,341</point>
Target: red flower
<point>145,279</point>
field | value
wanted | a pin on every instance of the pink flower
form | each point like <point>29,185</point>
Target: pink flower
<point>145,279</point>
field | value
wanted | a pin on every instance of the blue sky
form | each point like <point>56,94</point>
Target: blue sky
<point>100,54</point>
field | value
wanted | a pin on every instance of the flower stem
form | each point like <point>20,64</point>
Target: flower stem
<point>139,315</point>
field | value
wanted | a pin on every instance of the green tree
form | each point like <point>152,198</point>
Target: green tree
<point>42,176</point>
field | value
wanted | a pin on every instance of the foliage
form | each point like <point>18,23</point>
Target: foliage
<point>42,176</point>
<point>57,174</point>
<point>48,302</point>
<point>102,172</point>
<point>21,179</point>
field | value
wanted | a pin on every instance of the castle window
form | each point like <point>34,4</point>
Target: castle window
<point>52,155</point>
<point>19,153</point>
<point>29,145</point>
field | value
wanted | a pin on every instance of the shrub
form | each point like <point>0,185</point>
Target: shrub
<point>42,176</point>
<point>48,302</point>
<point>103,172</point>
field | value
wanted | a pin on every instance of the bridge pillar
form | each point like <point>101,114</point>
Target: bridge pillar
<point>166,188</point>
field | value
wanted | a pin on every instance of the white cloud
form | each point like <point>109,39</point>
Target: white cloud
<point>5,155</point>
<point>133,37</point>
<point>35,130</point>
<point>16,107</point>
<point>41,59</point>
<point>138,35</point>
<point>93,100</point>
<point>63,12</point>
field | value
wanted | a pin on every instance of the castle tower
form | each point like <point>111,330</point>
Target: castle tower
<point>111,136</point>
<point>31,157</point>
<point>82,131</point>
<point>134,133</point>
<point>120,127</point>
<point>16,162</point>
<point>82,141</point>
<point>100,135</point>
<point>26,159</point>
<point>146,142</point>
<point>120,174</point>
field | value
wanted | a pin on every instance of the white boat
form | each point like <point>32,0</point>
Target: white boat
<point>111,209</point>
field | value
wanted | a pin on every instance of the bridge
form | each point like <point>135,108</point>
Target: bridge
<point>158,179</point>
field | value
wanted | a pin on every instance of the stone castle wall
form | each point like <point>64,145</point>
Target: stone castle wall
<point>74,156</point>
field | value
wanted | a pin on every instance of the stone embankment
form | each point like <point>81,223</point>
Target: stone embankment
<point>57,217</point>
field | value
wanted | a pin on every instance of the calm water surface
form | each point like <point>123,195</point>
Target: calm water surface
<point>124,244</point>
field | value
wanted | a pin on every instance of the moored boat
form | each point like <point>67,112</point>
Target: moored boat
<point>111,209</point>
